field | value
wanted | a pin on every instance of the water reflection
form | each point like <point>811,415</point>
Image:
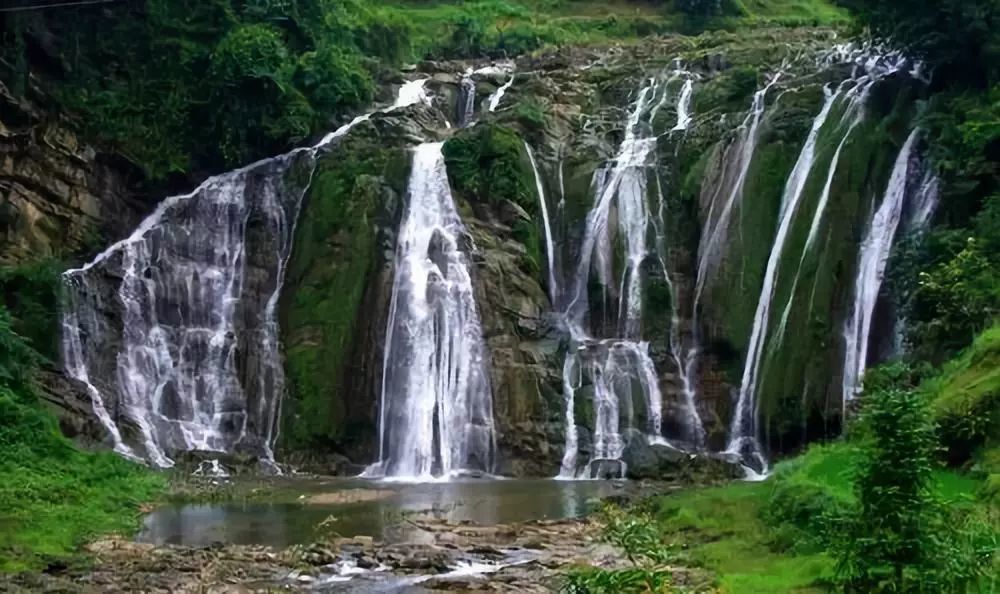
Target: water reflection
<point>284,524</point>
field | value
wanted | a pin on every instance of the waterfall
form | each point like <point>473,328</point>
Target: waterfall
<point>743,438</point>
<point>713,236</point>
<point>466,100</point>
<point>617,367</point>
<point>858,90</point>
<point>494,100</point>
<point>875,250</point>
<point>924,203</point>
<point>549,247</point>
<point>182,315</point>
<point>684,103</point>
<point>436,416</point>
<point>173,330</point>
<point>572,380</point>
<point>736,166</point>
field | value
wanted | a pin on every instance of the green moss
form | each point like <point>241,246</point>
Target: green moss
<point>532,114</point>
<point>528,234</point>
<point>487,164</point>
<point>330,269</point>
<point>728,92</point>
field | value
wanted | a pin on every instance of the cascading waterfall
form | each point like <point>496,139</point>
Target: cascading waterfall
<point>182,291</point>
<point>436,416</point>
<point>684,357</point>
<point>550,251</point>
<point>858,88</point>
<point>743,439</point>
<point>851,95</point>
<point>466,100</point>
<point>617,367</point>
<point>713,236</point>
<point>736,166</point>
<point>494,99</point>
<point>875,250</point>
<point>184,354</point>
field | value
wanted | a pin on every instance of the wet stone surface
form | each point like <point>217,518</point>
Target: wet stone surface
<point>443,555</point>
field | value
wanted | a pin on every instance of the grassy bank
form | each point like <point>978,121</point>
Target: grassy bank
<point>53,496</point>
<point>755,536</point>
<point>515,26</point>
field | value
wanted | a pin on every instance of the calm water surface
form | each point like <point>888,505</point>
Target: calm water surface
<point>283,524</point>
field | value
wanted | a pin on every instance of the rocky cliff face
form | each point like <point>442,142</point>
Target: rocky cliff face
<point>59,196</point>
<point>571,107</point>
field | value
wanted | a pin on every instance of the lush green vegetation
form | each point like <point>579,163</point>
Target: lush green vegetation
<point>876,512</point>
<point>187,86</point>
<point>949,280</point>
<point>488,164</point>
<point>53,497</point>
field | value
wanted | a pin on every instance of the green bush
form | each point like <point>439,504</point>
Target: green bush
<point>953,301</point>
<point>965,398</point>
<point>184,85</point>
<point>899,537</point>
<point>487,164</point>
<point>637,535</point>
<point>31,294</point>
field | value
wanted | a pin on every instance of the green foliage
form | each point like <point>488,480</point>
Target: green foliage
<point>208,84</point>
<point>899,537</point>
<point>637,535</point>
<point>53,496</point>
<point>17,359</point>
<point>31,294</point>
<point>965,398</point>
<point>958,37</point>
<point>532,114</point>
<point>487,163</point>
<point>953,301</point>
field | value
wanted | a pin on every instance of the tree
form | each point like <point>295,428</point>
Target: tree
<point>958,37</point>
<point>900,537</point>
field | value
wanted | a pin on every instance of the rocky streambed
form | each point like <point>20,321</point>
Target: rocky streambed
<point>339,536</point>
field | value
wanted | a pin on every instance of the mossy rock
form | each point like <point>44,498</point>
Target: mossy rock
<point>354,193</point>
<point>487,164</point>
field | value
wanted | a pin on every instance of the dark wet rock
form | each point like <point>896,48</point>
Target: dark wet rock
<point>666,463</point>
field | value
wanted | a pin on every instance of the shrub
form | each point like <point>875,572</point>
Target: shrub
<point>487,164</point>
<point>899,537</point>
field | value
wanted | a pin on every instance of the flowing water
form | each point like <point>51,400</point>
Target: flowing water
<point>173,330</point>
<point>436,410</point>
<point>494,99</point>
<point>618,367</point>
<point>743,439</point>
<point>466,100</point>
<point>849,97</point>
<point>550,251</point>
<point>875,249</point>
